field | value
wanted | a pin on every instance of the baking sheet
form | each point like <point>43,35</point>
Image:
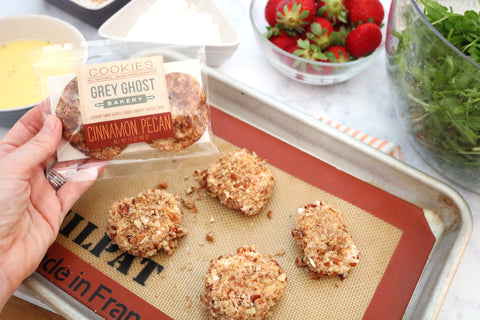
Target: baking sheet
<point>426,247</point>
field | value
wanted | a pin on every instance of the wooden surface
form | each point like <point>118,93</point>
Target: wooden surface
<point>19,309</point>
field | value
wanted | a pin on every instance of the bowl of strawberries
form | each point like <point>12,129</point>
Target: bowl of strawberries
<point>319,42</point>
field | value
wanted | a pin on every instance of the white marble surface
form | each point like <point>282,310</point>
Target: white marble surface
<point>362,103</point>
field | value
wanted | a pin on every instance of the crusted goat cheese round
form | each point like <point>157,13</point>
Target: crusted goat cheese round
<point>244,286</point>
<point>241,181</point>
<point>328,247</point>
<point>146,224</point>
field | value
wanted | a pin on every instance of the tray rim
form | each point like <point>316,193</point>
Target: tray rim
<point>427,298</point>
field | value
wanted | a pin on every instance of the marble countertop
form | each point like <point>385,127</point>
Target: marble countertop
<point>363,103</point>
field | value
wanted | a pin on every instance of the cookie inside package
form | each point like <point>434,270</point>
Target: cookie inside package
<point>131,108</point>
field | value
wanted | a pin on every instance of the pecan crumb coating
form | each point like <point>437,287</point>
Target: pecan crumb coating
<point>146,224</point>
<point>242,181</point>
<point>244,286</point>
<point>328,247</point>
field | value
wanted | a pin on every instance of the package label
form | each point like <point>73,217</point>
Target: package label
<point>124,102</point>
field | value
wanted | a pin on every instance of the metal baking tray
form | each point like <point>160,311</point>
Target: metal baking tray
<point>446,214</point>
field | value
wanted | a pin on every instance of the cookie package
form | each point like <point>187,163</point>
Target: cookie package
<point>129,107</point>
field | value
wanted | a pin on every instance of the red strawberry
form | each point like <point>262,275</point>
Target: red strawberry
<point>323,22</point>
<point>319,32</point>
<point>367,11</point>
<point>364,39</point>
<point>348,4</point>
<point>333,10</point>
<point>337,54</point>
<point>285,42</point>
<point>271,12</point>
<point>295,15</point>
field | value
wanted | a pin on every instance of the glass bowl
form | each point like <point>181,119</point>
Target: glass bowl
<point>300,69</point>
<point>436,91</point>
<point>33,27</point>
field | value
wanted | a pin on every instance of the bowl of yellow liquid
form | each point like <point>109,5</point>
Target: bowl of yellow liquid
<point>33,48</point>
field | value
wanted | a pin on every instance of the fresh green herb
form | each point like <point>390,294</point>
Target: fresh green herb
<point>462,31</point>
<point>441,87</point>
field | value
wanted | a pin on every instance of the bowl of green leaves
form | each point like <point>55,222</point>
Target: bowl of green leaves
<point>433,63</point>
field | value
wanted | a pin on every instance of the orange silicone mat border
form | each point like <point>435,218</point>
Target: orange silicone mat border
<point>59,261</point>
<point>406,265</point>
<point>400,278</point>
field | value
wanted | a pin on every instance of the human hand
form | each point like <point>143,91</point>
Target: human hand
<point>31,210</point>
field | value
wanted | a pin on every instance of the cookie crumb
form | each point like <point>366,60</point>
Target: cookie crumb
<point>190,190</point>
<point>210,236</point>
<point>162,185</point>
<point>190,204</point>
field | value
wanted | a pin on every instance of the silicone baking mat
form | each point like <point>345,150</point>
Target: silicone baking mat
<point>393,237</point>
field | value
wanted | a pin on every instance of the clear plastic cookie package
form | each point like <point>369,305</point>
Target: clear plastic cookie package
<point>130,107</point>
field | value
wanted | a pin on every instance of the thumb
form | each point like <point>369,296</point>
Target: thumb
<point>39,148</point>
